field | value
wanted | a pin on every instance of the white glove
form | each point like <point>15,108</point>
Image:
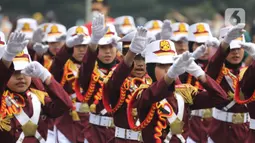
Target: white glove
<point>35,69</point>
<point>40,48</point>
<point>179,65</point>
<point>98,28</point>
<point>139,41</point>
<point>15,45</point>
<point>73,41</point>
<point>195,70</point>
<point>166,30</point>
<point>38,36</point>
<point>234,32</point>
<point>199,52</point>
<point>212,42</point>
<point>249,48</point>
<point>2,48</point>
<point>116,43</point>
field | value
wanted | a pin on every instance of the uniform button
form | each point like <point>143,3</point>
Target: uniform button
<point>202,119</point>
<point>229,127</point>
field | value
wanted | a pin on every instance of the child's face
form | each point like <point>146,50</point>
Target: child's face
<point>235,56</point>
<point>55,47</point>
<point>161,70</point>
<point>206,54</point>
<point>139,69</point>
<point>19,82</point>
<point>107,53</point>
<point>79,52</point>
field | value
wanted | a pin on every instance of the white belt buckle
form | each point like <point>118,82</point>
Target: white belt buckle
<point>121,133</point>
<point>104,121</point>
<point>132,135</point>
<point>94,119</point>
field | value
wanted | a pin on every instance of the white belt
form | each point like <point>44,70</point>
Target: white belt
<point>252,124</point>
<point>78,106</point>
<point>101,120</point>
<point>199,112</point>
<point>230,117</point>
<point>128,134</point>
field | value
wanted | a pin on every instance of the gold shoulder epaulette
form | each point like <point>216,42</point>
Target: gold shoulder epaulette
<point>40,94</point>
<point>187,91</point>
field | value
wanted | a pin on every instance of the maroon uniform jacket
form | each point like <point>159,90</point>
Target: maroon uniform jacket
<point>54,106</point>
<point>248,89</point>
<point>158,91</point>
<point>73,130</point>
<point>86,77</point>
<point>222,132</point>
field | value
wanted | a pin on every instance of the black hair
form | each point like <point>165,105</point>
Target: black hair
<point>150,67</point>
<point>191,43</point>
<point>104,2</point>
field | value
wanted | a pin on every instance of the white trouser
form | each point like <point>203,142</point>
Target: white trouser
<point>51,137</point>
<point>86,141</point>
<point>190,140</point>
<point>209,140</point>
<point>61,138</point>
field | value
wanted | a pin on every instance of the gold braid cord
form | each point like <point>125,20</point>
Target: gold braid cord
<point>71,71</point>
<point>187,91</point>
<point>149,117</point>
<point>10,106</point>
<point>47,61</point>
<point>92,85</point>
<point>128,86</point>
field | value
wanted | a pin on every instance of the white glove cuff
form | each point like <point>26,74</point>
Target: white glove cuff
<point>94,40</point>
<point>171,74</point>
<point>70,43</point>
<point>45,74</point>
<point>8,56</point>
<point>199,73</point>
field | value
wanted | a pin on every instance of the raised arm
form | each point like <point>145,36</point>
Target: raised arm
<point>165,87</point>
<point>60,100</point>
<point>213,96</point>
<point>216,62</point>
<point>15,45</point>
<point>57,68</point>
<point>88,63</point>
<point>112,88</point>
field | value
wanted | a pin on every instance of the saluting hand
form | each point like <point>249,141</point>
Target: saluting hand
<point>38,35</point>
<point>213,41</point>
<point>234,33</point>
<point>40,49</point>
<point>179,65</point>
<point>15,45</point>
<point>98,28</point>
<point>75,40</point>
<point>199,52</point>
<point>139,41</point>
<point>166,31</point>
<point>35,69</point>
<point>195,70</point>
<point>249,48</point>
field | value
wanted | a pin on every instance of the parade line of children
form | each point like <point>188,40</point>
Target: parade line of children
<point>114,82</point>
